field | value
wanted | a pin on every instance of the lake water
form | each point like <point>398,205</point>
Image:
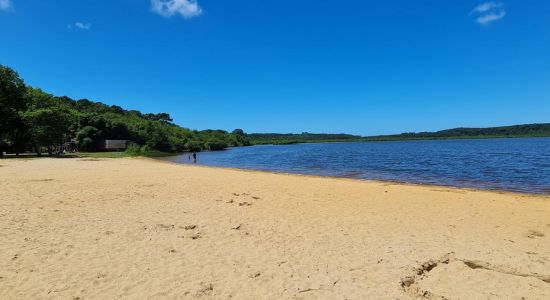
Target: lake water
<point>521,165</point>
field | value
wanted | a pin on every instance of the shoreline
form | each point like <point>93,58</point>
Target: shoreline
<point>396,182</point>
<point>143,228</point>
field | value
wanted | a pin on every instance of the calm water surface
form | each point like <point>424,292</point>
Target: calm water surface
<point>521,165</point>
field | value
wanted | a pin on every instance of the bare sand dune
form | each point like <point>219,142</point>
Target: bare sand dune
<point>142,229</point>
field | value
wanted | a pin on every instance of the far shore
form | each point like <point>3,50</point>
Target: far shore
<point>97,228</point>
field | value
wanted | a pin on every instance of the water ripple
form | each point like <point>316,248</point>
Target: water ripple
<point>520,165</point>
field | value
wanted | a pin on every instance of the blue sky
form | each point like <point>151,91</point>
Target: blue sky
<point>355,66</point>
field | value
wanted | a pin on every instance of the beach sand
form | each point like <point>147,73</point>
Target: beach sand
<point>145,229</point>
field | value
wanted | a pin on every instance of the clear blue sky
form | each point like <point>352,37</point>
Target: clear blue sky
<point>355,66</point>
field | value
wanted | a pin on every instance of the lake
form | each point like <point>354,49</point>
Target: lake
<point>519,165</point>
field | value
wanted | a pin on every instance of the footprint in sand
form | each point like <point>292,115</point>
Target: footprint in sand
<point>196,236</point>
<point>165,227</point>
<point>189,227</point>
<point>40,180</point>
<point>205,290</point>
<point>439,278</point>
<point>534,234</point>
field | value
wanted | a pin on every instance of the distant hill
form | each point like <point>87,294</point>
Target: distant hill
<point>528,130</point>
<point>305,137</point>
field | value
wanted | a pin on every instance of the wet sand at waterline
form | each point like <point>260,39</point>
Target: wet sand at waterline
<point>139,228</point>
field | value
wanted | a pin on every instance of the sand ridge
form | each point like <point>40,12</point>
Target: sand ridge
<point>139,228</point>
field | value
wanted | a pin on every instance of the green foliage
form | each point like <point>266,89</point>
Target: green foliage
<point>85,137</point>
<point>163,117</point>
<point>215,145</point>
<point>194,146</point>
<point>238,132</point>
<point>134,149</point>
<point>12,96</point>
<point>39,99</point>
<point>49,127</point>
<point>12,101</point>
<point>287,139</point>
<point>239,138</point>
<point>528,130</point>
<point>32,119</point>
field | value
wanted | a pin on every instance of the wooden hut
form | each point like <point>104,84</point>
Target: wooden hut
<point>116,145</point>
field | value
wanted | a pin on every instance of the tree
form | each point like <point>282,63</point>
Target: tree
<point>240,138</point>
<point>163,117</point>
<point>86,138</point>
<point>32,117</point>
<point>48,127</point>
<point>12,102</point>
<point>238,132</point>
<point>40,99</point>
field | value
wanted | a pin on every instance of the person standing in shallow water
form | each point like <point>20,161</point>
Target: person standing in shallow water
<point>194,157</point>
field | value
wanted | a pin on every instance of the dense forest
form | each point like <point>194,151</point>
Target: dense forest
<point>529,130</point>
<point>34,121</point>
<point>289,138</point>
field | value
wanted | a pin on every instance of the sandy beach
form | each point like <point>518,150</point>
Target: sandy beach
<point>143,229</point>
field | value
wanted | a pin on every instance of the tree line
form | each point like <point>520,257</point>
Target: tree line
<point>305,137</point>
<point>32,120</point>
<point>526,130</point>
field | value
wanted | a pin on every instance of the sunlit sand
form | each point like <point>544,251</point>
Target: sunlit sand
<point>139,228</point>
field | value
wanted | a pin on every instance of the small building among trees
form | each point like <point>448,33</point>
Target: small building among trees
<point>116,145</point>
<point>71,146</point>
